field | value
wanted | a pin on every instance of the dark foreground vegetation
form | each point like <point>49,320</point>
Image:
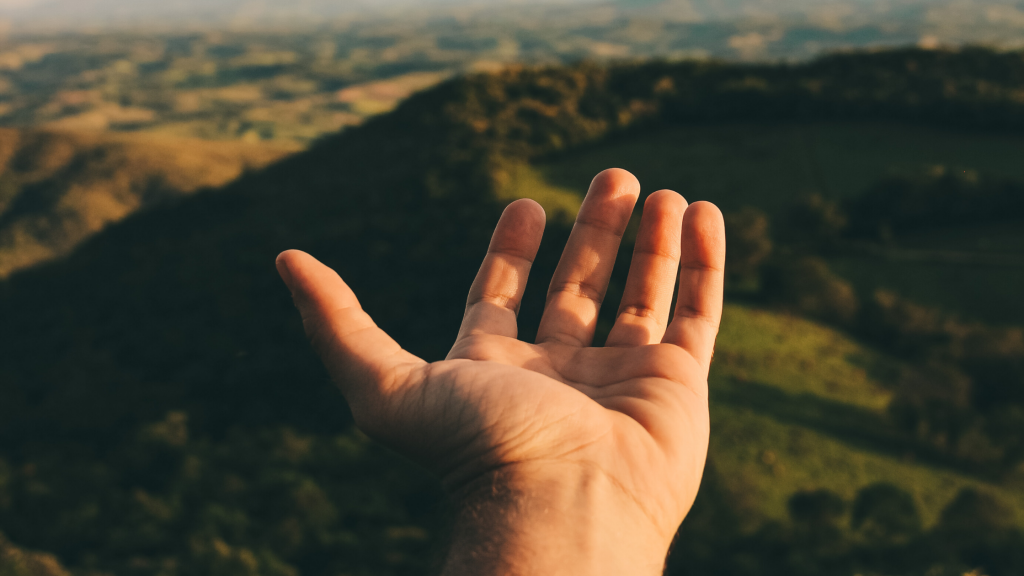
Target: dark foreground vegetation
<point>162,414</point>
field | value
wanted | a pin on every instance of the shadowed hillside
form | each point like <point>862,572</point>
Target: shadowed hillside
<point>162,413</point>
<point>57,188</point>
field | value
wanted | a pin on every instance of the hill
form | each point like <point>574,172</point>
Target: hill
<point>57,188</point>
<point>162,412</point>
<point>798,405</point>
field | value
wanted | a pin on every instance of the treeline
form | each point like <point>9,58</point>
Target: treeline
<point>528,112</point>
<point>162,413</point>
<point>899,205</point>
<point>880,532</point>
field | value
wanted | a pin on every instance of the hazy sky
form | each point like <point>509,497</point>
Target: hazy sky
<point>31,15</point>
<point>120,13</point>
<point>107,8</point>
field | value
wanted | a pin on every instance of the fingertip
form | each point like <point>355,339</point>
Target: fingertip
<point>706,212</point>
<point>519,230</point>
<point>528,212</point>
<point>617,181</point>
<point>303,271</point>
<point>284,268</point>
<point>661,221</point>
<point>666,199</point>
<point>296,264</point>
<point>526,204</point>
<point>704,231</point>
<point>610,200</point>
<point>287,257</point>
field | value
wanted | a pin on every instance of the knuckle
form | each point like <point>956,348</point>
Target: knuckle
<point>581,289</point>
<point>640,311</point>
<point>474,347</point>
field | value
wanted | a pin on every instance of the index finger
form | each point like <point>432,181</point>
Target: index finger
<point>580,281</point>
<point>497,291</point>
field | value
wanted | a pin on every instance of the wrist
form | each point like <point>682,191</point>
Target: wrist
<point>552,519</point>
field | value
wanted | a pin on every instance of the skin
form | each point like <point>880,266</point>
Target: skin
<point>562,458</point>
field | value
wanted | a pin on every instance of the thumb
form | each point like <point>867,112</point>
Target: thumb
<point>361,358</point>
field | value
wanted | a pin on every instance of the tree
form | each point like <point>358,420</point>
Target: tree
<point>973,514</point>
<point>806,285</point>
<point>885,515</point>
<point>816,220</point>
<point>749,244</point>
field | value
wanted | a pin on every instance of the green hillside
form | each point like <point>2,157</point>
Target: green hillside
<point>57,188</point>
<point>162,413</point>
<point>798,406</point>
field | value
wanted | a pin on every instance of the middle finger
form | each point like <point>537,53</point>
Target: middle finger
<point>580,281</point>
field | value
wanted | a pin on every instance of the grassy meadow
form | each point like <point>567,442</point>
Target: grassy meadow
<point>799,406</point>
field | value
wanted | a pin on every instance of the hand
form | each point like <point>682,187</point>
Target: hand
<point>564,458</point>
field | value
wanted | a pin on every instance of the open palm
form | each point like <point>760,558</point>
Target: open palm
<point>633,411</point>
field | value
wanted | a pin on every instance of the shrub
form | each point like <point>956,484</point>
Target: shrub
<point>885,515</point>
<point>972,514</point>
<point>816,220</point>
<point>935,197</point>
<point>806,285</point>
<point>749,244</point>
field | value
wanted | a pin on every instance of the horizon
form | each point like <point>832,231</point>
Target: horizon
<point>41,16</point>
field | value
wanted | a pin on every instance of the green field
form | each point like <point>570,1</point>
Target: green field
<point>794,406</point>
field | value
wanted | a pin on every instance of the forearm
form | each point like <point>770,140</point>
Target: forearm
<point>570,521</point>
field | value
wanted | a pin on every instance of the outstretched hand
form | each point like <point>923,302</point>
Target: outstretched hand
<point>565,458</point>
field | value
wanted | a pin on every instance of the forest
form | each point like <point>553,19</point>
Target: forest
<point>163,415</point>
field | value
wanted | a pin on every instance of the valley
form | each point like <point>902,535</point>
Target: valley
<point>163,414</point>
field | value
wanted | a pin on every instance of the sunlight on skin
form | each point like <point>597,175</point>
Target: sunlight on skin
<point>562,458</point>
